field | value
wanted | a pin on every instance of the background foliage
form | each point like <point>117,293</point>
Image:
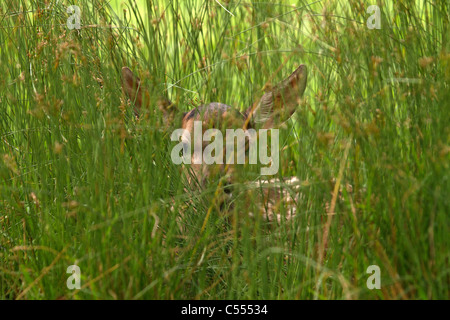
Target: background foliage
<point>82,182</point>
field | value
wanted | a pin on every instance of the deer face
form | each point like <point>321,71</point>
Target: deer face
<point>273,108</point>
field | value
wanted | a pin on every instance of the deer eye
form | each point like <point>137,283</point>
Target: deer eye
<point>186,148</point>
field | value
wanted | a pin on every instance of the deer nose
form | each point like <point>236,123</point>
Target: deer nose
<point>227,188</point>
<point>228,184</point>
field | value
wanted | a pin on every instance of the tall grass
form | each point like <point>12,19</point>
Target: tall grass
<point>83,182</point>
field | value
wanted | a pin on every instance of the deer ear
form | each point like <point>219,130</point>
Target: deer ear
<point>131,84</point>
<point>278,105</point>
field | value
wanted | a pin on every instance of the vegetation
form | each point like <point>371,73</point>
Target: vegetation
<point>82,182</point>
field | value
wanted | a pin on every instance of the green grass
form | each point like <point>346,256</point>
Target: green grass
<point>82,182</point>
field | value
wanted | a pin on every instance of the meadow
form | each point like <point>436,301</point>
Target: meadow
<point>83,182</point>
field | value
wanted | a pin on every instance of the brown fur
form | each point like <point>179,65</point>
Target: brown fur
<point>273,108</point>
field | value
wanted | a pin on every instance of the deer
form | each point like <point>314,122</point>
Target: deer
<point>271,110</point>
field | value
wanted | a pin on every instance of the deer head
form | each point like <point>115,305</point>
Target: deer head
<point>273,108</point>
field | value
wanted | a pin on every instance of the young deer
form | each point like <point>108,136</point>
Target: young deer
<point>272,109</point>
